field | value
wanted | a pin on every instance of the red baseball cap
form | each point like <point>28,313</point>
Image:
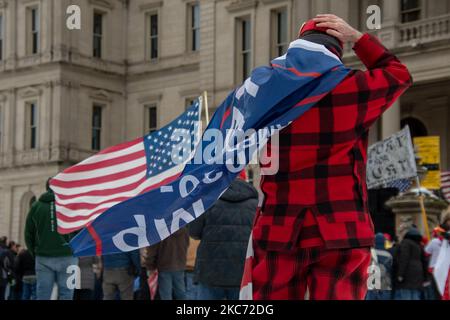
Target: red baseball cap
<point>310,25</point>
<point>243,175</point>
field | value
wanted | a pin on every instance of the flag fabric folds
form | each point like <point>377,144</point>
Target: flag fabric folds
<point>269,100</point>
<point>402,185</point>
<point>152,282</point>
<point>442,267</point>
<point>246,290</point>
<point>116,174</point>
<point>445,185</point>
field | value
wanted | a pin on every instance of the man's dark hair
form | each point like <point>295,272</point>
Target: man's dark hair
<point>47,184</point>
<point>3,241</point>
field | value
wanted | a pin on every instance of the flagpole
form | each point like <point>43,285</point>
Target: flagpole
<point>205,100</point>
<point>422,209</point>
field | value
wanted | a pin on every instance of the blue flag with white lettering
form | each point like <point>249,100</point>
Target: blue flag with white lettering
<point>269,100</point>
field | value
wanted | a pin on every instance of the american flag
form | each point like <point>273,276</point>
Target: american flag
<point>445,185</point>
<point>246,290</point>
<point>89,188</point>
<point>152,282</point>
<point>402,185</point>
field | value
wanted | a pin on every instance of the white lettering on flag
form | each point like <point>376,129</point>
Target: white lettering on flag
<point>251,87</point>
<point>161,228</point>
<point>140,231</point>
<point>166,189</point>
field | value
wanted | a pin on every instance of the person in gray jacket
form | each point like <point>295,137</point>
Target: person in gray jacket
<point>87,278</point>
<point>224,231</point>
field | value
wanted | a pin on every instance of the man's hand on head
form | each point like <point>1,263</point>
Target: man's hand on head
<point>338,28</point>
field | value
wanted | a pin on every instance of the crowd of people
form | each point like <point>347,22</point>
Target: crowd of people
<point>202,261</point>
<point>406,269</point>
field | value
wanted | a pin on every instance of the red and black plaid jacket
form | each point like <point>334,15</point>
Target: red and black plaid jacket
<point>319,195</point>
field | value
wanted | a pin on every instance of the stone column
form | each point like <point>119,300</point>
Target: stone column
<point>11,45</point>
<point>341,8</point>
<point>10,127</point>
<point>320,6</point>
<point>207,49</point>
<point>390,121</point>
<point>390,19</point>
<point>7,210</point>
<point>47,21</point>
<point>302,12</point>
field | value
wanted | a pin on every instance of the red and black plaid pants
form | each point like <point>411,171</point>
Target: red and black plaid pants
<point>338,274</point>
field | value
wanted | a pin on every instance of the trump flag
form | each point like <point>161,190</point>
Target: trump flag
<point>269,100</point>
<point>85,191</point>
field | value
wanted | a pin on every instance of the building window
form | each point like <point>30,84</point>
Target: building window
<point>151,111</point>
<point>32,125</point>
<point>153,35</point>
<point>98,35</point>
<point>188,102</point>
<point>194,27</point>
<point>279,21</point>
<point>416,127</point>
<point>410,10</point>
<point>33,30</point>
<point>1,37</point>
<point>96,127</point>
<point>244,45</point>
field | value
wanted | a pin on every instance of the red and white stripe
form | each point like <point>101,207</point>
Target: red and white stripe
<point>246,292</point>
<point>445,184</point>
<point>86,190</point>
<point>152,282</point>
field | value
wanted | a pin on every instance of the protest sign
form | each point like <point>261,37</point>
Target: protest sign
<point>429,153</point>
<point>390,160</point>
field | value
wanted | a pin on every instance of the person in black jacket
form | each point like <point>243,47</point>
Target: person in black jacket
<point>224,231</point>
<point>411,267</point>
<point>24,268</point>
<point>4,267</point>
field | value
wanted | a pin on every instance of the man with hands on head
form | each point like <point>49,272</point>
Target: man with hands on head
<point>313,230</point>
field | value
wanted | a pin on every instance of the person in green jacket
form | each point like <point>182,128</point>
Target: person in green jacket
<point>51,249</point>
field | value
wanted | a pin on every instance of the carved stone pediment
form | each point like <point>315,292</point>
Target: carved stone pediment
<point>102,3</point>
<point>151,5</point>
<point>101,95</point>
<point>30,92</point>
<point>270,1</point>
<point>150,98</point>
<point>189,93</point>
<point>238,5</point>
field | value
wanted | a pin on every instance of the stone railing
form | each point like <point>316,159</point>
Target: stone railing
<point>411,33</point>
<point>422,31</point>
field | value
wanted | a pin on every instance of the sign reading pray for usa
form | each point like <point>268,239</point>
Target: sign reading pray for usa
<point>268,101</point>
<point>391,160</point>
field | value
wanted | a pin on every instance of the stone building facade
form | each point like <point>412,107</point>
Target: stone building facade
<point>134,65</point>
